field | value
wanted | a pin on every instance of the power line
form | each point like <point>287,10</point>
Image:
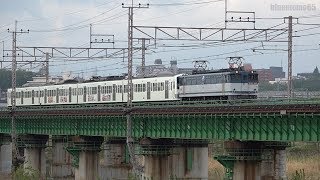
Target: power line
<point>66,14</point>
<point>69,27</point>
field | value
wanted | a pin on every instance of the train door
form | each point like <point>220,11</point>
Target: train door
<point>114,91</point>
<point>57,95</point>
<point>122,91</point>
<point>166,89</point>
<point>70,94</point>
<point>22,95</point>
<point>84,94</point>
<point>99,93</point>
<point>45,96</point>
<point>148,90</point>
<point>32,97</point>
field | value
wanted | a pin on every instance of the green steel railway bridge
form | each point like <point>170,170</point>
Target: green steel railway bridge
<point>172,137</point>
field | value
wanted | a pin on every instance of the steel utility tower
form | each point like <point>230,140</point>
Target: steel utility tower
<point>290,57</point>
<point>130,141</point>
<point>16,158</point>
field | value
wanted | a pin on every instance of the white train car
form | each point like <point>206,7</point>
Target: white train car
<point>144,89</point>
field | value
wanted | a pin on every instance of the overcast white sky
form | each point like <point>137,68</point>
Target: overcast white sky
<point>66,23</point>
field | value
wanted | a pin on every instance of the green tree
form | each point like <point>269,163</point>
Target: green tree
<point>22,77</point>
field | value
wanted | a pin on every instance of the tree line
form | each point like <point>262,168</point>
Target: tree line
<point>22,77</point>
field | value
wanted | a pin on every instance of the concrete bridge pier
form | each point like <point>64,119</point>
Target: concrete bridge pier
<point>61,167</point>
<point>155,158</point>
<point>115,164</point>
<point>85,150</point>
<point>5,154</point>
<point>254,160</point>
<point>34,153</point>
<point>280,165</point>
<point>189,162</point>
<point>168,159</point>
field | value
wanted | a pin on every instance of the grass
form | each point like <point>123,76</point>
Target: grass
<point>303,159</point>
<point>216,170</point>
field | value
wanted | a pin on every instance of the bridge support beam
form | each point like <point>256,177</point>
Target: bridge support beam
<point>115,164</point>
<point>254,160</point>
<point>85,151</point>
<point>61,167</point>
<point>34,153</point>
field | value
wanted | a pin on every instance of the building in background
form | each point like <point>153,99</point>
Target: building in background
<point>158,69</point>
<point>264,75</point>
<point>271,74</point>
<point>277,72</point>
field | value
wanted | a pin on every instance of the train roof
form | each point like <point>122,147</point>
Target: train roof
<point>195,72</point>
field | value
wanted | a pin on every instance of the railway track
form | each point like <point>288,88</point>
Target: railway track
<point>176,110</point>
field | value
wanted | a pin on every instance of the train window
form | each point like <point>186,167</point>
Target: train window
<point>125,88</point>
<point>162,86</point>
<point>36,94</point>
<point>80,91</point>
<point>103,89</point>
<point>94,90</point>
<point>253,78</point>
<point>245,78</point>
<point>74,92</point>
<point>144,87</point>
<point>154,85</point>
<point>27,94</point>
<point>208,80</point>
<point>61,92</point>
<point>235,78</point>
